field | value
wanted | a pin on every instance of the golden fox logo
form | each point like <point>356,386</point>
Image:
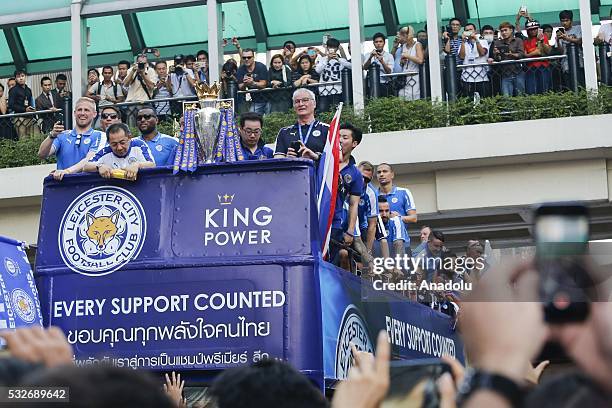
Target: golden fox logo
<point>102,229</point>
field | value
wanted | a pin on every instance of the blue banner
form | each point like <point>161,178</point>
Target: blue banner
<point>19,305</point>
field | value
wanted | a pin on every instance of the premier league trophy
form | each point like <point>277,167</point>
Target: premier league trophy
<point>209,133</point>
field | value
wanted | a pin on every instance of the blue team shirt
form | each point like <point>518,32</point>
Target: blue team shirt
<point>368,206</point>
<point>351,185</point>
<point>69,150</point>
<point>400,200</point>
<point>394,230</point>
<point>163,148</point>
<point>262,152</point>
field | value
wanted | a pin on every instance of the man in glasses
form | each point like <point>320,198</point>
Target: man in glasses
<point>109,115</point>
<point>252,75</point>
<point>122,153</point>
<point>73,148</point>
<point>251,124</point>
<point>163,147</point>
<point>309,133</point>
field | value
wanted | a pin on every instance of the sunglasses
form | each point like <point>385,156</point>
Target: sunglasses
<point>109,116</point>
<point>145,117</point>
<point>246,58</point>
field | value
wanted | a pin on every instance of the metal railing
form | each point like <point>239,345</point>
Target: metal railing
<point>406,85</point>
<point>605,64</point>
<point>513,77</point>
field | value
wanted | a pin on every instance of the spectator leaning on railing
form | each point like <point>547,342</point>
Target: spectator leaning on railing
<point>473,50</point>
<point>20,101</point>
<point>252,75</point>
<point>106,92</point>
<point>510,48</point>
<point>305,74</point>
<point>75,147</point>
<point>410,58</point>
<point>381,58</point>
<point>538,78</point>
<point>566,34</point>
<point>280,77</point>
<point>163,90</point>
<point>329,68</point>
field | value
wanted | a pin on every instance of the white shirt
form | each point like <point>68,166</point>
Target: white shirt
<point>475,74</point>
<point>605,32</point>
<point>180,84</point>
<point>138,152</point>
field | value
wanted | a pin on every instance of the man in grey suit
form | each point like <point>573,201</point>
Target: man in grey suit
<point>45,101</point>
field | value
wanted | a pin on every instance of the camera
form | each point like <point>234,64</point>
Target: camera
<point>296,145</point>
<point>141,66</point>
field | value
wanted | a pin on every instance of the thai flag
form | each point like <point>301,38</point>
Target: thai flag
<point>327,177</point>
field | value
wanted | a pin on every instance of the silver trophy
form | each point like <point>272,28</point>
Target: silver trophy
<point>207,120</point>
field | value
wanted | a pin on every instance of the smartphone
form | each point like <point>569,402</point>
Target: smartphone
<point>406,374</point>
<point>561,30</point>
<point>325,38</point>
<point>562,236</point>
<point>149,51</point>
<point>296,146</point>
<point>59,117</point>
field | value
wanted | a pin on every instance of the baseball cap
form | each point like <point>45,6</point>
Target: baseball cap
<point>532,24</point>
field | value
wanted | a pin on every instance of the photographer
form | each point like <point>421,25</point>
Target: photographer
<point>452,40</point>
<point>202,66</point>
<point>140,80</point>
<point>382,58</point>
<point>182,77</point>
<point>510,48</point>
<point>228,73</point>
<point>566,34</point>
<point>474,50</point>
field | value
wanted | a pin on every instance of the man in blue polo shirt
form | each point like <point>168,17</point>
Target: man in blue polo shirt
<point>399,198</point>
<point>251,124</point>
<point>73,148</point>
<point>163,147</point>
<point>310,132</point>
<point>350,188</point>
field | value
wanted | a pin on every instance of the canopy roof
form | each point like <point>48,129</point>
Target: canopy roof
<point>37,33</point>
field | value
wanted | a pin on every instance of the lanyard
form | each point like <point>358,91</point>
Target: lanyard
<point>305,141</point>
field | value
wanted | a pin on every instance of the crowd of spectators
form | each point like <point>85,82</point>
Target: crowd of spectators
<point>264,89</point>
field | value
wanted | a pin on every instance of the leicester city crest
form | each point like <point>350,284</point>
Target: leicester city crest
<point>102,230</point>
<point>23,304</point>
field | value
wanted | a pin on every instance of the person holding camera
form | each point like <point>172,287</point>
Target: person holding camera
<point>202,66</point>
<point>329,68</point>
<point>381,58</point>
<point>253,75</point>
<point>452,40</point>
<point>182,77</point>
<point>140,80</point>
<point>474,50</point>
<point>73,148</point>
<point>569,34</point>
<point>510,48</point>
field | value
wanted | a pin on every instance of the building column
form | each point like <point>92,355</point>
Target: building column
<point>215,38</point>
<point>78,28</point>
<point>433,49</point>
<point>355,8</point>
<point>588,50</point>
